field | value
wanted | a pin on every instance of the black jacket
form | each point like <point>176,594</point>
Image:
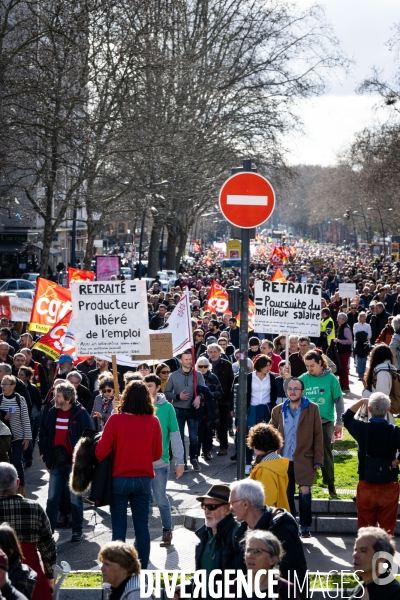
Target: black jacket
<point>93,375</point>
<point>377,323</point>
<point>273,394</point>
<point>10,593</point>
<point>223,370</point>
<point>281,523</point>
<point>228,553</point>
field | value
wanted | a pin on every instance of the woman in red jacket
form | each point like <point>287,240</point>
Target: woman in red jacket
<point>133,434</point>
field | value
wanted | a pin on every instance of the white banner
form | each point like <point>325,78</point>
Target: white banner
<point>16,309</point>
<point>110,317</point>
<point>286,307</point>
<point>179,324</point>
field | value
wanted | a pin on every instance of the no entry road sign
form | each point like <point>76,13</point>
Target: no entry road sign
<point>247,199</point>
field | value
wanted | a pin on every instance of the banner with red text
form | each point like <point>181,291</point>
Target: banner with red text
<point>218,300</point>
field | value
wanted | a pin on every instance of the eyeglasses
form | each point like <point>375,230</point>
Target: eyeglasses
<point>203,366</point>
<point>211,507</point>
<point>165,372</point>
<point>108,391</point>
<point>294,389</point>
<point>256,551</point>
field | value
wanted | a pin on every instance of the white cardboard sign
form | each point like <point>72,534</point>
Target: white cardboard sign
<point>110,317</point>
<point>286,307</point>
<point>347,290</point>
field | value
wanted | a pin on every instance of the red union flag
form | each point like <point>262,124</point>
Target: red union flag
<point>51,304</point>
<point>218,300</point>
<point>251,313</point>
<point>80,275</point>
<point>52,342</point>
<point>196,246</point>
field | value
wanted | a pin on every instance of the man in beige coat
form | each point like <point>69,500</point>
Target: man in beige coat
<point>299,422</point>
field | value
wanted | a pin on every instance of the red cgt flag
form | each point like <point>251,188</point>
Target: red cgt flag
<point>218,300</point>
<point>52,342</point>
<point>50,305</point>
<point>251,313</point>
<point>79,275</point>
<point>196,246</point>
<point>278,275</point>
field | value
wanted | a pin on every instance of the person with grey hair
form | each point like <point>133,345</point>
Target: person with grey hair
<point>375,571</point>
<point>205,430</point>
<point>395,342</point>
<point>64,426</point>
<point>263,552</point>
<point>33,530</point>
<point>344,341</point>
<point>82,392</point>
<point>378,446</point>
<point>247,502</point>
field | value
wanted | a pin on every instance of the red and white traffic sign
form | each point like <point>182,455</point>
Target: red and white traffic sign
<point>247,199</point>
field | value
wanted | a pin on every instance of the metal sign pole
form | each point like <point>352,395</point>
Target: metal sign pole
<point>243,348</point>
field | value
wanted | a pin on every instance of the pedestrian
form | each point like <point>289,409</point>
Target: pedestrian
<point>222,368</point>
<point>14,413</point>
<point>375,571</point>
<point>395,342</point>
<point>298,420</point>
<point>247,502</point>
<point>378,444</point>
<point>327,329</point>
<point>378,320</point>
<point>7,590</point>
<point>379,375</point>
<point>344,341</point>
<point>134,455</point>
<point>103,403</point>
<point>26,375</point>
<point>165,413</point>
<point>21,576</point>
<point>33,530</point>
<point>261,397</point>
<point>163,372</point>
<point>269,467</point>
<point>362,337</point>
<point>120,568</point>
<point>322,387</point>
<point>180,391</point>
<point>205,433</point>
<point>64,425</point>
<point>263,553</point>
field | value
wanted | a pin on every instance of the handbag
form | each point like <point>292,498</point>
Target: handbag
<point>377,469</point>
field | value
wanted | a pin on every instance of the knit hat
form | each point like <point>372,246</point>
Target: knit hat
<point>3,561</point>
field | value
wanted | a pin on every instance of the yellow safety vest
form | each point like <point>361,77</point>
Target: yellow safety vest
<point>324,324</point>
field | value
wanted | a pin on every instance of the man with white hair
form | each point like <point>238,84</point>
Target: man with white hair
<point>247,502</point>
<point>378,445</point>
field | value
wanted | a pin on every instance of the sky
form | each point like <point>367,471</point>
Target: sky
<point>363,28</point>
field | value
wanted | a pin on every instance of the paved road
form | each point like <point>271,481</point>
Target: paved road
<point>323,552</point>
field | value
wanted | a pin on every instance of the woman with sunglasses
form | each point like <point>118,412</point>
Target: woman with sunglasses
<point>205,433</point>
<point>103,403</point>
<point>263,552</point>
<point>163,372</point>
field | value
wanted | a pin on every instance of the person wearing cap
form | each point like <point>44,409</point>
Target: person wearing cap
<point>8,591</point>
<point>217,548</point>
<point>66,366</point>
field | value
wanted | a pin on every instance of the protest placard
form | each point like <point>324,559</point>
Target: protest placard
<point>286,307</point>
<point>160,347</point>
<point>347,290</point>
<point>109,317</point>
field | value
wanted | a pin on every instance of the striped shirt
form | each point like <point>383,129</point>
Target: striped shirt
<point>61,437</point>
<point>18,421</point>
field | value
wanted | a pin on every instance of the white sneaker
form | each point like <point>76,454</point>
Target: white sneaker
<point>247,470</point>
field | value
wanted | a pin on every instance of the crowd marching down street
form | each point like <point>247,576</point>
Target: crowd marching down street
<point>110,429</point>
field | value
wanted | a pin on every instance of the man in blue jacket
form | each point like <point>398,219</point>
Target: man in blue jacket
<point>64,426</point>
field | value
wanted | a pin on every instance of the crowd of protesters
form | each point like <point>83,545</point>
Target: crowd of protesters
<point>295,408</point>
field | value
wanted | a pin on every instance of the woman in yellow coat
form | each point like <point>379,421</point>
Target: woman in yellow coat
<point>269,468</point>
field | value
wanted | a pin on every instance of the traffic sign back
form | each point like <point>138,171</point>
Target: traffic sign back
<point>247,199</point>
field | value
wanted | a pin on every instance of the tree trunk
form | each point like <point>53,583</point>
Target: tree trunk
<point>171,247</point>
<point>154,250</point>
<point>181,248</point>
<point>47,241</point>
<point>92,228</point>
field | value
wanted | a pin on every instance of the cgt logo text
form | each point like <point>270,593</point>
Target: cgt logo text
<point>220,584</point>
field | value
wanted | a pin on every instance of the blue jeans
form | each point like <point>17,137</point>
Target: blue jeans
<point>136,491</point>
<point>159,487</point>
<point>361,365</point>
<point>304,499</point>
<point>58,480</point>
<point>182,416</point>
